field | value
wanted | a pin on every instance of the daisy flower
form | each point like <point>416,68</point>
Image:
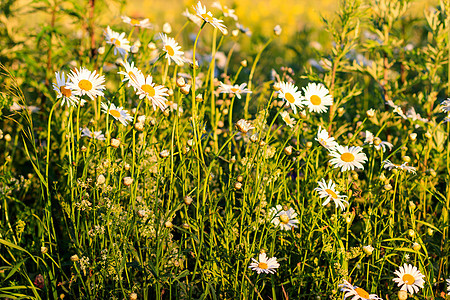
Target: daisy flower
<point>85,132</point>
<point>244,126</point>
<point>317,97</point>
<point>329,192</point>
<point>120,43</point>
<point>172,49</point>
<point>288,91</point>
<point>348,158</point>
<point>155,93</point>
<point>130,73</point>
<point>227,12</point>
<point>193,18</point>
<point>387,164</point>
<point>283,218</point>
<point>62,91</point>
<point>117,112</point>
<point>369,139</point>
<point>445,105</point>
<point>448,286</point>
<point>325,140</point>
<point>264,265</point>
<point>287,119</point>
<point>137,23</point>
<point>409,278</point>
<point>234,89</point>
<point>208,17</point>
<point>355,292</point>
<point>84,82</point>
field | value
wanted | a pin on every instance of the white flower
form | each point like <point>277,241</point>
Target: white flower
<point>137,23</point>
<point>448,286</point>
<point>227,12</point>
<point>62,91</point>
<point>411,114</point>
<point>348,158</point>
<point>387,164</point>
<point>234,89</point>
<point>244,126</point>
<point>409,278</point>
<point>208,17</point>
<point>85,132</point>
<point>193,18</point>
<point>317,97</point>
<point>325,140</point>
<point>130,73</point>
<point>120,43</point>
<point>355,292</point>
<point>445,105</point>
<point>117,112</point>
<point>170,46</point>
<point>287,119</point>
<point>369,139</point>
<point>288,91</point>
<point>329,192</point>
<point>264,265</point>
<point>155,93</point>
<point>283,218</point>
<point>84,82</point>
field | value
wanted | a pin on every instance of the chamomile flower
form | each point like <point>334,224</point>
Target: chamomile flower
<point>148,89</point>
<point>118,113</point>
<point>356,293</point>
<point>287,119</point>
<point>193,18</point>
<point>84,82</point>
<point>118,40</point>
<point>325,140</point>
<point>234,89</point>
<point>387,164</point>
<point>348,158</point>
<point>264,265</point>
<point>448,286</point>
<point>283,218</point>
<point>130,73</point>
<point>62,91</point>
<point>170,46</point>
<point>369,139</point>
<point>227,12</point>
<point>208,17</point>
<point>85,132</point>
<point>329,192</point>
<point>409,278</point>
<point>145,23</point>
<point>317,97</point>
<point>288,91</point>
<point>445,105</point>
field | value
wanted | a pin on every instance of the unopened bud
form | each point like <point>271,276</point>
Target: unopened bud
<point>115,143</point>
<point>238,185</point>
<point>127,181</point>
<point>413,136</point>
<point>240,178</point>
<point>416,247</point>
<point>181,82</point>
<point>164,153</point>
<point>188,200</point>
<point>168,224</point>
<point>186,89</point>
<point>244,63</point>
<point>288,150</point>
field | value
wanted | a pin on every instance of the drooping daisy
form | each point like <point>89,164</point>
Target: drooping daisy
<point>118,40</point>
<point>227,12</point>
<point>287,119</point>
<point>370,139</point>
<point>193,18</point>
<point>137,23</point>
<point>288,91</point>
<point>325,140</point>
<point>170,46</point>
<point>264,265</point>
<point>84,82</point>
<point>409,278</point>
<point>117,112</point>
<point>445,105</point>
<point>154,93</point>
<point>208,17</point>
<point>62,91</point>
<point>329,192</point>
<point>283,218</point>
<point>317,97</point>
<point>85,132</point>
<point>414,116</point>
<point>387,164</point>
<point>130,73</point>
<point>348,158</point>
<point>356,293</point>
<point>234,89</point>
<point>244,126</point>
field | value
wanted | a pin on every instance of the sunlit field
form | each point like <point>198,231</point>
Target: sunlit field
<point>225,150</point>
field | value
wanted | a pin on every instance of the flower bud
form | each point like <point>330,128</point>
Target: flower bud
<point>199,98</point>
<point>44,249</point>
<point>167,29</point>
<point>238,185</point>
<point>181,82</point>
<point>277,30</point>
<point>402,295</point>
<point>288,150</point>
<point>186,89</point>
<point>244,63</point>
<point>413,136</point>
<point>428,135</point>
<point>370,113</point>
<point>411,233</point>
<point>240,178</point>
<point>74,258</point>
<point>412,205</point>
<point>416,246</point>
<point>101,179</point>
<point>115,143</point>
<point>406,158</point>
<point>133,296</point>
<point>368,249</point>
<point>309,144</point>
<point>388,187</point>
<point>262,143</point>
<point>139,126</point>
<point>127,181</point>
<point>254,138</point>
<point>188,200</point>
<point>168,224</point>
<point>164,153</point>
<point>7,137</point>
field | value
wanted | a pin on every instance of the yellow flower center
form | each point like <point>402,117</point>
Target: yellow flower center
<point>169,50</point>
<point>135,22</point>
<point>347,157</point>
<point>115,42</point>
<point>331,193</point>
<point>115,113</point>
<point>207,18</point>
<point>408,279</point>
<point>322,141</point>
<point>85,85</point>
<point>65,91</point>
<point>234,90</point>
<point>289,97</point>
<point>284,219</point>
<point>262,265</point>
<point>362,293</point>
<point>148,89</point>
<point>315,100</point>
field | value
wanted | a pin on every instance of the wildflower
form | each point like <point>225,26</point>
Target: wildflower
<point>287,119</point>
<point>329,192</point>
<point>62,91</point>
<point>84,82</point>
<point>448,286</point>
<point>402,295</point>
<point>181,82</point>
<point>117,112</point>
<point>44,249</point>
<point>387,164</point>
<point>413,136</point>
<point>416,246</point>
<point>288,150</point>
<point>277,30</point>
<point>409,278</point>
<point>164,153</point>
<point>74,258</point>
<point>243,29</point>
<point>288,91</point>
<point>115,143</point>
<point>118,40</point>
<point>133,296</point>
<point>101,179</point>
<point>130,73</point>
<point>238,185</point>
<point>170,46</point>
<point>264,265</point>
<point>154,93</point>
<point>411,114</point>
<point>227,12</point>
<point>168,224</point>
<point>85,132</point>
<point>186,89</point>
<point>193,18</point>
<point>317,97</point>
<point>370,139</point>
<point>137,23</point>
<point>127,181</point>
<point>325,140</point>
<point>368,249</point>
<point>355,292</point>
<point>139,126</point>
<point>348,158</point>
<point>234,89</point>
<point>370,113</point>
<point>188,200</point>
<point>445,105</point>
<point>167,28</point>
<point>283,218</point>
<point>244,126</point>
<point>208,17</point>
